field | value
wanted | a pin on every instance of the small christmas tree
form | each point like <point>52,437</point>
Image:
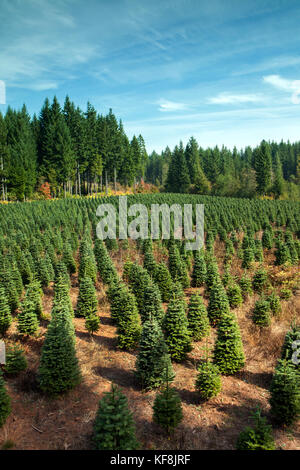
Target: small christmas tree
<point>234,295</point>
<point>212,274</point>
<point>153,358</point>
<point>228,352</point>
<point>259,437</point>
<point>92,322</point>
<point>87,302</point>
<point>198,322</point>
<point>34,293</point>
<point>167,409</point>
<point>261,313</point>
<point>163,279</point>
<point>59,370</point>
<point>175,327</point>
<point>246,285</point>
<point>259,280</point>
<point>274,302</point>
<point>114,427</point>
<point>87,263</point>
<point>283,255</point>
<point>129,323</point>
<point>27,320</point>
<point>248,258</point>
<point>218,303</point>
<point>284,391</point>
<point>15,360</point>
<point>68,259</point>
<point>150,263</point>
<point>208,381</point>
<point>5,316</point>
<point>5,408</point>
<point>199,270</point>
<point>152,304</point>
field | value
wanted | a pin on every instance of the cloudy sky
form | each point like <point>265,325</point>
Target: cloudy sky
<point>225,71</point>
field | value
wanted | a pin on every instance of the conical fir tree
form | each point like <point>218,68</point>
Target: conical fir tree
<point>27,319</point>
<point>198,322</point>
<point>218,303</point>
<point>87,300</point>
<point>15,360</point>
<point>114,428</point>
<point>153,364</point>
<point>212,274</point>
<point>199,270</point>
<point>167,409</point>
<point>117,297</point>
<point>129,323</point>
<point>260,280</point>
<point>152,307</point>
<point>258,437</point>
<point>163,279</point>
<point>34,293</point>
<point>261,313</point>
<point>234,295</point>
<point>68,259</point>
<point>285,393</point>
<point>59,370</point>
<point>5,316</point>
<point>208,382</point>
<point>246,285</point>
<point>228,352</point>
<point>5,408</point>
<point>62,295</point>
<point>175,327</point>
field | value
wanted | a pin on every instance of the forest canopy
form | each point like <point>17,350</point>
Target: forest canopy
<point>70,151</point>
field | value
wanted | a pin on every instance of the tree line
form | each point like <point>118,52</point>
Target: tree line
<point>81,152</point>
<point>268,169</point>
<point>74,151</point>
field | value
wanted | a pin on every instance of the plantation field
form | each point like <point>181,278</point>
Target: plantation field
<point>89,314</point>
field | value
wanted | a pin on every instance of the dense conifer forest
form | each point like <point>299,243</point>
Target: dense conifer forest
<point>65,151</point>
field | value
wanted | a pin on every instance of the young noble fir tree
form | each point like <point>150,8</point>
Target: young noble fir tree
<point>167,409</point>
<point>5,316</point>
<point>59,370</point>
<point>114,428</point>
<point>228,352</point>
<point>198,322</point>
<point>218,303</point>
<point>261,313</point>
<point>15,360</point>
<point>208,381</point>
<point>5,408</point>
<point>175,327</point>
<point>129,323</point>
<point>258,437</point>
<point>27,320</point>
<point>285,393</point>
<point>153,364</point>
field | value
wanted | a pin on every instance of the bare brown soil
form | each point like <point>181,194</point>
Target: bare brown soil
<point>37,422</point>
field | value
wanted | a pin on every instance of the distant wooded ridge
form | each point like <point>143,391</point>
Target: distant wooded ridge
<point>65,150</point>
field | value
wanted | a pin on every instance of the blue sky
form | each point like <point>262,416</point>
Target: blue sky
<point>225,71</point>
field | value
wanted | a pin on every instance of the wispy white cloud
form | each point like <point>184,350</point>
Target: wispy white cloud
<point>291,86</point>
<point>272,64</point>
<point>37,85</point>
<point>227,98</point>
<point>165,105</point>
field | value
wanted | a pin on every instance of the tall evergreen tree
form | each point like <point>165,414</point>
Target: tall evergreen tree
<point>178,179</point>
